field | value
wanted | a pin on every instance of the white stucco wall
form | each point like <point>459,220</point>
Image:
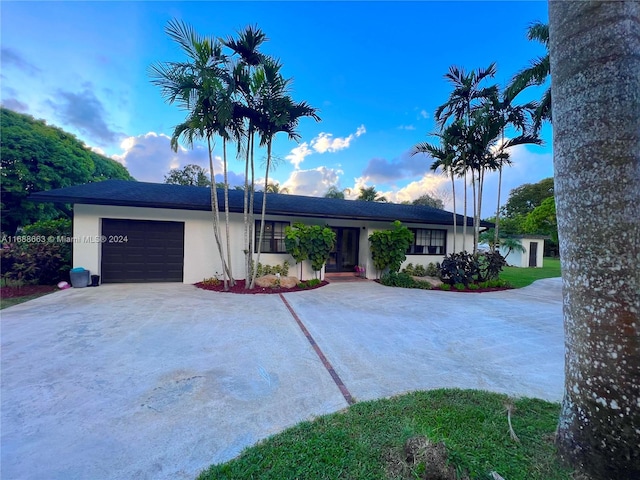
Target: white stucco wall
<point>521,259</point>
<point>201,258</point>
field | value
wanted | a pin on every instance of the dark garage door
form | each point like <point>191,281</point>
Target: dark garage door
<point>135,251</point>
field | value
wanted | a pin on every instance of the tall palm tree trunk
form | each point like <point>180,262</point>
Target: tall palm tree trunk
<point>474,192</point>
<point>455,216</point>
<point>480,190</point>
<point>262,214</point>
<point>464,213</point>
<point>226,210</point>
<point>595,65</point>
<point>496,233</point>
<point>245,211</point>
<point>216,216</point>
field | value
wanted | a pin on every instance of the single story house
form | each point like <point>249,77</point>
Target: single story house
<point>532,254</point>
<point>127,231</point>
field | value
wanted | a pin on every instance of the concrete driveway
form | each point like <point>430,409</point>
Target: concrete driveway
<point>160,381</point>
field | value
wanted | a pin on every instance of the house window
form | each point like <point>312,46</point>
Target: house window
<point>428,242</point>
<point>273,238</point>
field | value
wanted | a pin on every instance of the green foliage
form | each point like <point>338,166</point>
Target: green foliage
<point>525,198</point>
<point>38,256</point>
<point>433,270</point>
<point>490,264</point>
<point>309,242</point>
<point>460,286</point>
<point>417,271</point>
<point>542,220</point>
<point>397,279</point>
<point>459,268</point>
<point>389,247</point>
<point>445,286</point>
<point>369,194</point>
<point>310,283</point>
<point>263,270</point>
<point>429,201</point>
<point>192,175</point>
<point>34,157</point>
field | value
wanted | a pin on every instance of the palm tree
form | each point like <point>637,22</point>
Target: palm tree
<point>246,47</point>
<point>276,112</point>
<point>335,192</point>
<point>276,188</point>
<point>199,86</point>
<point>465,98</point>
<point>444,157</point>
<point>537,73</point>
<point>596,160</point>
<point>369,194</point>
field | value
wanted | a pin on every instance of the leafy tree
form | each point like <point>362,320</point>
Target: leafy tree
<point>428,201</point>
<point>193,175</point>
<point>542,220</point>
<point>369,194</point>
<point>309,242</point>
<point>389,247</point>
<point>537,74</point>
<point>597,163</point>
<point>35,157</point>
<point>523,199</point>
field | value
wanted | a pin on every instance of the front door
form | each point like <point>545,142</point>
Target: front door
<point>533,254</point>
<point>344,256</point>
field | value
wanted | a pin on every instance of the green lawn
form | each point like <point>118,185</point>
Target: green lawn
<point>521,277</point>
<point>366,440</point>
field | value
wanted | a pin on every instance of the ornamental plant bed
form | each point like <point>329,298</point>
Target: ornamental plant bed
<point>239,288</point>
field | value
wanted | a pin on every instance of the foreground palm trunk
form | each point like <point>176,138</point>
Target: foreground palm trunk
<point>595,65</point>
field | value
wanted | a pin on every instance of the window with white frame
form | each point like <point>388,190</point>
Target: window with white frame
<point>428,242</point>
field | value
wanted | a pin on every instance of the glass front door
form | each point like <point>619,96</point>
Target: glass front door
<point>344,256</point>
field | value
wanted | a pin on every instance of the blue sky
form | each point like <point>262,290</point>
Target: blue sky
<point>373,69</point>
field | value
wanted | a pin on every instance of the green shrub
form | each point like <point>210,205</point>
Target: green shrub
<point>490,264</point>
<point>40,256</point>
<point>395,279</point>
<point>433,270</point>
<point>445,286</point>
<point>389,247</point>
<point>460,286</point>
<point>272,269</point>
<point>422,285</point>
<point>408,269</point>
<point>459,268</point>
<point>473,286</point>
<point>420,271</point>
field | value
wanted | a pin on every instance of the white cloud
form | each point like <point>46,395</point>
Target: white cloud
<point>298,154</point>
<point>424,114</point>
<point>325,142</point>
<point>313,182</point>
<point>406,127</point>
<point>149,157</point>
<point>322,143</point>
<point>434,185</point>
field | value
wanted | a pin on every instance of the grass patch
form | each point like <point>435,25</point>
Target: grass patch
<point>363,441</point>
<point>521,277</point>
<point>14,293</point>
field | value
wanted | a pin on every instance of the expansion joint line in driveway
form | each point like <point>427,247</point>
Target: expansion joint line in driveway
<point>336,378</point>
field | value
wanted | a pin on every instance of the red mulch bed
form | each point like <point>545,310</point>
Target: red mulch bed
<point>239,288</point>
<point>25,290</point>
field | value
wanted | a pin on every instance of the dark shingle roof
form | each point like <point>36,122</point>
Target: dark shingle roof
<point>160,195</point>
